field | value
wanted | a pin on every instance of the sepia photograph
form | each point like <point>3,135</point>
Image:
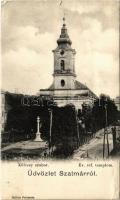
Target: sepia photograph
<point>60,80</point>
<point>60,100</point>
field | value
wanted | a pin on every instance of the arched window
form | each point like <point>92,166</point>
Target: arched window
<point>62,83</point>
<point>62,64</point>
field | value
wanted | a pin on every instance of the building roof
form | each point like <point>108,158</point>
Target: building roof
<point>80,86</point>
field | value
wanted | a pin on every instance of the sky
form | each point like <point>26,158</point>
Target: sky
<point>30,29</point>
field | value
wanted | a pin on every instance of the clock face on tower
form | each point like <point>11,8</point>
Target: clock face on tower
<point>62,52</point>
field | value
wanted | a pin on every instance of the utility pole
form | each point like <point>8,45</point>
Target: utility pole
<point>50,139</point>
<point>106,117</point>
<point>77,128</point>
<point>105,137</point>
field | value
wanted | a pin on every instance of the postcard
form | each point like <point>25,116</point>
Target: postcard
<point>60,99</point>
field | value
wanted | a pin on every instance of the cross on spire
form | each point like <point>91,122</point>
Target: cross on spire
<point>64,17</point>
<point>64,20</point>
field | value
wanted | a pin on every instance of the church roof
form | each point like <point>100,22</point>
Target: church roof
<point>51,87</point>
<point>80,86</point>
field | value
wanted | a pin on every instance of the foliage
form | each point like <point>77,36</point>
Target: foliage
<point>22,119</point>
<point>103,113</point>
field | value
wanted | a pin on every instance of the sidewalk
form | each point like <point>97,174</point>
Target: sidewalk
<point>29,144</point>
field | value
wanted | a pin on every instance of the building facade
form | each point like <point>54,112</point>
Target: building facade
<point>65,89</point>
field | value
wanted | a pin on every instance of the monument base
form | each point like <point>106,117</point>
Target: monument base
<point>38,138</point>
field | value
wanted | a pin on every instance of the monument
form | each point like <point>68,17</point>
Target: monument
<point>38,134</point>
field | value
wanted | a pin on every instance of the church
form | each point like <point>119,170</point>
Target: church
<point>65,89</point>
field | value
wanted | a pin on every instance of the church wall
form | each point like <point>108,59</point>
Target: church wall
<point>56,61</point>
<point>69,82</point>
<point>69,62</point>
<point>69,92</point>
<point>76,102</point>
<point>68,57</point>
<point>46,92</point>
<point>64,92</point>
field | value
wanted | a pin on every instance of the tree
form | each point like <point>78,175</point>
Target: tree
<point>104,111</point>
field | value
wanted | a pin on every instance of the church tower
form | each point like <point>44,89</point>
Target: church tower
<point>65,89</point>
<point>64,62</point>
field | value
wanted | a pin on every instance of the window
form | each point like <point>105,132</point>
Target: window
<point>62,64</point>
<point>62,83</point>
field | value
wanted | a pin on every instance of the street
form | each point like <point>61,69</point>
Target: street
<point>94,149</point>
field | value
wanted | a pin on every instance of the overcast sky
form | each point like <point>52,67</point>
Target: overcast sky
<point>29,33</point>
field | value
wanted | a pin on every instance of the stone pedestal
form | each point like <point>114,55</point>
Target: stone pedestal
<point>38,138</point>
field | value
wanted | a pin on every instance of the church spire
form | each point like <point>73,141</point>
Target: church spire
<point>64,37</point>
